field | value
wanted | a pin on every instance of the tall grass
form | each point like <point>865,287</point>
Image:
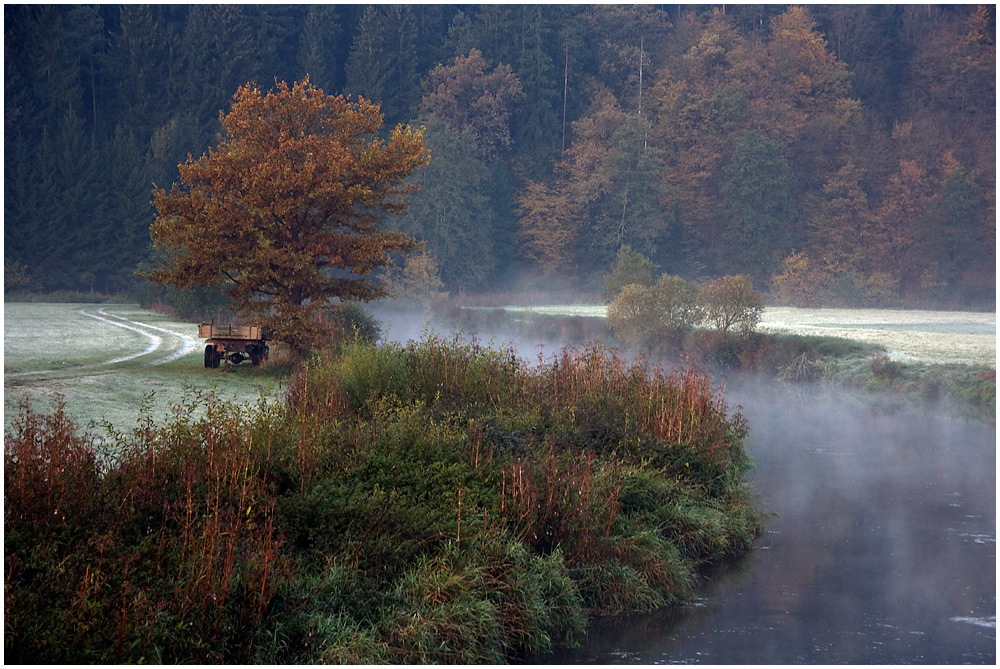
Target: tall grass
<point>162,547</point>
<point>435,502</point>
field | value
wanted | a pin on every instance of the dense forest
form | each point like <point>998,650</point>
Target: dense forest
<point>835,154</point>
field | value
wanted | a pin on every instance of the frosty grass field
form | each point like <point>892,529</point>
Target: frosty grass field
<point>105,360</point>
<point>942,337</point>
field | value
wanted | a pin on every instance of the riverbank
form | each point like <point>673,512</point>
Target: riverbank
<point>921,356</point>
<point>873,514</point>
<point>435,502</point>
<point>391,474</point>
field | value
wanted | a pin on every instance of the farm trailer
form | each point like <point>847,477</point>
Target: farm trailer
<point>234,343</point>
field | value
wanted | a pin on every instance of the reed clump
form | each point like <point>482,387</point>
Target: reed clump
<point>160,546</point>
<point>440,501</point>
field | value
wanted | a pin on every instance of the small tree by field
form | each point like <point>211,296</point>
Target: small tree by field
<point>645,315</point>
<point>732,302</point>
<point>801,282</point>
<point>418,280</point>
<point>284,212</point>
<point>629,267</point>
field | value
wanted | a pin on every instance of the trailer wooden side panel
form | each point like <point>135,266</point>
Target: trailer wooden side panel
<point>212,331</point>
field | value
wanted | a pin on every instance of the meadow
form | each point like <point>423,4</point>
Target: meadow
<point>906,335</point>
<point>108,361</point>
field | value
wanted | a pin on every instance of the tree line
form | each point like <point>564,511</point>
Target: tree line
<point>833,154</point>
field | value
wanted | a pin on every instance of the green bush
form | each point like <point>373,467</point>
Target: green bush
<point>629,267</point>
<point>730,302</point>
<point>660,314</point>
<point>884,368</point>
<point>436,502</point>
<point>352,321</point>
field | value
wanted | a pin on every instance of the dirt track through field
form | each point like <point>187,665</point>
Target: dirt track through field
<point>177,343</point>
<point>114,364</point>
<point>187,344</point>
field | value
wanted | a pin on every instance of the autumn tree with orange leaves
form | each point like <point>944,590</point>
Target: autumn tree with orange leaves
<point>284,212</point>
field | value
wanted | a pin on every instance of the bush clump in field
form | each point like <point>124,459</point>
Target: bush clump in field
<point>662,313</point>
<point>435,502</point>
<point>629,267</point>
<point>731,303</point>
<point>163,549</point>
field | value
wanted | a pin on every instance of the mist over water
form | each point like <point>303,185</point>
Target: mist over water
<point>403,326</point>
<point>881,547</point>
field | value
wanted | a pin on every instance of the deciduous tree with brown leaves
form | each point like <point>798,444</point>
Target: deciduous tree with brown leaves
<point>547,226</point>
<point>468,97</point>
<point>284,212</point>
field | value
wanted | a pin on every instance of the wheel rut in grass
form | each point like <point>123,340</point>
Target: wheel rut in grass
<point>158,339</point>
<point>186,345</point>
<point>181,344</point>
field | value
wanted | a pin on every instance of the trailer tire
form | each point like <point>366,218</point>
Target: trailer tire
<point>256,355</point>
<point>212,356</point>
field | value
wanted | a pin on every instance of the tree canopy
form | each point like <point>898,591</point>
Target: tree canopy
<point>714,140</point>
<point>284,212</point>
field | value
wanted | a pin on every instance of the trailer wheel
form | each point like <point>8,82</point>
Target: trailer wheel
<point>211,357</point>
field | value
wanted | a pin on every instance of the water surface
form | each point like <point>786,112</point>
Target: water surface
<point>882,548</point>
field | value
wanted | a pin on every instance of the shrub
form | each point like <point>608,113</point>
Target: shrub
<point>732,302</point>
<point>664,313</point>
<point>418,281</point>
<point>883,366</point>
<point>801,283</point>
<point>167,550</point>
<point>352,321</point>
<point>717,348</point>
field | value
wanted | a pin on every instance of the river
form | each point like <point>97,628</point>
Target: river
<point>881,548</point>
